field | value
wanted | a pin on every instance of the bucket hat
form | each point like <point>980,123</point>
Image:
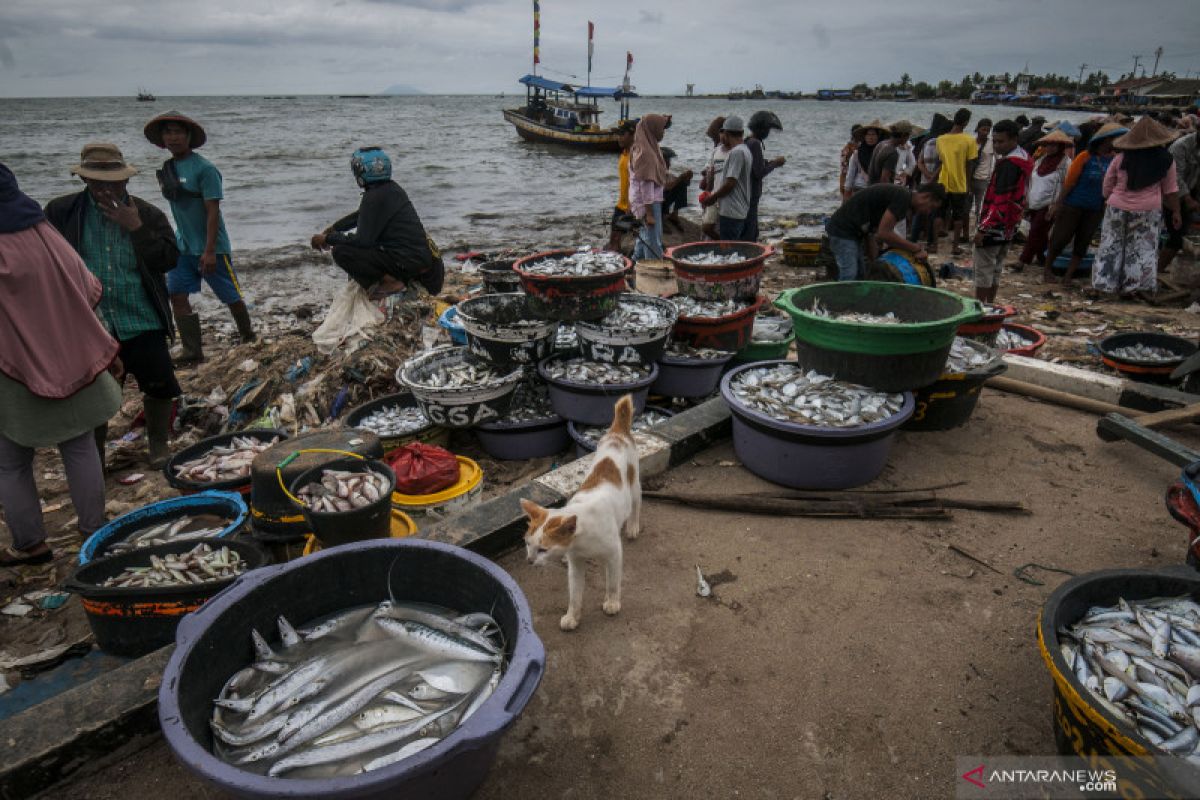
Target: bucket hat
<point>153,129</point>
<point>101,161</point>
<point>1145,134</point>
<point>1056,137</point>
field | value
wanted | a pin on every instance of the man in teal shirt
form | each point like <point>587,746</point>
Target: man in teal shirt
<point>193,186</point>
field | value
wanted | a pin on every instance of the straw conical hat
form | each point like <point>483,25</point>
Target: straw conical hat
<point>1056,137</point>
<point>1109,129</point>
<point>878,125</point>
<point>1145,134</point>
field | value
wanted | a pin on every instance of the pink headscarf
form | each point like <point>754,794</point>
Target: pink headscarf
<point>645,157</point>
<point>50,339</point>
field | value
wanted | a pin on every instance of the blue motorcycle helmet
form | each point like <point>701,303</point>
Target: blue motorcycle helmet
<point>370,165</point>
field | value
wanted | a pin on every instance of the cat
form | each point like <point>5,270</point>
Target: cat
<point>590,525</point>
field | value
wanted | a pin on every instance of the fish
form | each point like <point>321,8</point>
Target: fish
<point>580,370</point>
<point>224,462</point>
<point>175,529</point>
<point>641,423</point>
<point>339,491</point>
<point>460,373</point>
<point>1151,682</point>
<point>712,258</point>
<point>708,309</point>
<point>685,350</point>
<point>531,402</point>
<point>702,587</point>
<point>636,314</point>
<point>789,394</point>
<point>201,564</point>
<point>394,420</point>
<point>1145,352</point>
<point>860,317</point>
<point>1008,339</point>
<point>770,330</point>
<point>583,262</point>
<point>966,355</point>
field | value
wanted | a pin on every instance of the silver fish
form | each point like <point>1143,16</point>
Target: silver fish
<point>713,259</point>
<point>861,317</point>
<point>685,350</point>
<point>789,394</point>
<point>642,422</point>
<point>225,462</point>
<point>636,313</point>
<point>173,530</point>
<point>584,262</point>
<point>201,564</point>
<point>579,370</point>
<point>1145,352</point>
<point>769,330</point>
<point>394,420</point>
<point>1009,339</point>
<point>531,401</point>
<point>966,356</point>
<point>708,309</point>
<point>340,491</point>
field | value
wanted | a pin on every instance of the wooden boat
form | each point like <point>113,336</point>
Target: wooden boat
<point>556,113</point>
<point>144,96</point>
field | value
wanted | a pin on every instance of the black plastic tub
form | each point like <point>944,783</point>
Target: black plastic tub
<point>607,342</point>
<point>887,373</point>
<point>214,643</point>
<point>679,376</point>
<point>1140,369</point>
<point>373,521</point>
<point>463,407</point>
<point>1082,726</point>
<point>570,298</point>
<point>240,485</point>
<point>430,434</point>
<point>738,280</point>
<point>583,445</point>
<point>133,622</point>
<point>807,456</point>
<point>951,400</point>
<point>502,329</point>
<point>229,505</point>
<point>499,277</point>
<point>517,441</point>
<point>592,403</point>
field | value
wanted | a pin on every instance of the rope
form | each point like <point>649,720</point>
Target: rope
<point>279,467</point>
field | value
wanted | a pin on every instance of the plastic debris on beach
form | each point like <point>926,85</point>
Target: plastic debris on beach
<point>789,394</point>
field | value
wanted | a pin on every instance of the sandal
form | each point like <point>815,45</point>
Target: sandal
<point>11,557</point>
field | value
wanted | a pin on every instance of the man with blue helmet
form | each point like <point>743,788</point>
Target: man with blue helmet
<point>383,245</point>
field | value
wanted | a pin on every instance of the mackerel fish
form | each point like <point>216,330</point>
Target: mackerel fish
<point>175,529</point>
<point>356,691</point>
<point>964,358</point>
<point>789,394</point>
<point>201,564</point>
<point>642,422</point>
<point>1140,660</point>
<point>863,317</point>
<point>342,490</point>
<point>1145,352</point>
<point>394,420</point>
<point>580,370</point>
<point>713,259</point>
<point>583,262</point>
<point>708,309</point>
<point>226,462</point>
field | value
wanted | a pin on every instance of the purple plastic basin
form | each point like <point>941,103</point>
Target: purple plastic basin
<point>517,441</point>
<point>592,403</point>
<point>806,456</point>
<point>688,377</point>
<point>214,642</point>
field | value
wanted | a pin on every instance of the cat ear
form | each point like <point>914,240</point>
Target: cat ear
<point>532,510</point>
<point>566,526</point>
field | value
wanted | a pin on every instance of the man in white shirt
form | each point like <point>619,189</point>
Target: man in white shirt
<point>733,187</point>
<point>981,174</point>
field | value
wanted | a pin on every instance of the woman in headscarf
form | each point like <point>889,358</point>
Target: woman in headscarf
<point>55,387</point>
<point>1080,208</point>
<point>647,176</point>
<point>1139,184</point>
<point>848,150</point>
<point>858,176</point>
<point>1045,187</point>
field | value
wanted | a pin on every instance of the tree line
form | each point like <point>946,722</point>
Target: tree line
<point>1092,83</point>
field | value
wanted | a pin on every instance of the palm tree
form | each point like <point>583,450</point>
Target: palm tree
<point>905,81</point>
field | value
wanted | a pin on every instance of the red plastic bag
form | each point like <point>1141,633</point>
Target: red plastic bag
<point>423,468</point>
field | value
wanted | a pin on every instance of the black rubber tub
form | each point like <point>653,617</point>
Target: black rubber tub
<point>517,441</point>
<point>592,403</point>
<point>214,643</point>
<point>229,505</point>
<point>240,485</point>
<point>608,341</point>
<point>463,407</point>
<point>373,521</point>
<point>1140,369</point>
<point>430,434</point>
<point>679,376</point>
<point>133,622</point>
<point>499,277</point>
<point>502,329</point>
<point>739,280</point>
<point>1083,726</point>
<point>951,400</point>
<point>570,298</point>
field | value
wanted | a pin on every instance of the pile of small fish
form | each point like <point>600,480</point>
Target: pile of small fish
<point>341,490</point>
<point>1145,352</point>
<point>531,402</point>
<point>225,462</point>
<point>1008,339</point>
<point>580,370</point>
<point>712,309</point>
<point>585,262</point>
<point>642,422</point>
<point>394,420</point>
<point>964,358</point>
<point>460,375</point>
<point>567,338</point>
<point>713,259</point>
<point>1141,661</point>
<point>789,394</point>
<point>177,529</point>
<point>769,330</point>
<point>201,564</point>
<point>685,350</point>
<point>360,690</point>
<point>635,315</point>
<point>889,318</point>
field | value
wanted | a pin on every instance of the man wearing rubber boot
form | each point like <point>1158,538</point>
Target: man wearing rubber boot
<point>193,186</point>
<point>388,248</point>
<point>129,245</point>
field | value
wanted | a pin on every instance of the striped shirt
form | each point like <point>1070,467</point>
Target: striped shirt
<point>125,308</point>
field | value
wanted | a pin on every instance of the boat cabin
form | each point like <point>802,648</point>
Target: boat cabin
<point>568,108</point>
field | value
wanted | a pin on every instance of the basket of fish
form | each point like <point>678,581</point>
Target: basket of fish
<point>587,437</point>
<point>950,401</point>
<point>636,332</point>
<point>456,389</point>
<point>717,324</point>
<point>573,285</point>
<point>397,419</point>
<point>398,679</point>
<point>205,515</point>
<point>894,337</point>
<point>502,329</point>
<point>219,462</point>
<point>530,429</point>
<point>770,339</point>
<point>585,391</point>
<point>135,600</point>
<point>686,371</point>
<point>499,277</point>
<point>1123,651</point>
<point>1145,356</point>
<point>987,329</point>
<point>805,430</point>
<point>1019,340</point>
<point>719,270</point>
<point>346,500</point>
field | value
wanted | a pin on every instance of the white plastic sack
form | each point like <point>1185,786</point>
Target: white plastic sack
<point>350,318</point>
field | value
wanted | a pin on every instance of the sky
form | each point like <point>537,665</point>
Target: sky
<point>67,48</point>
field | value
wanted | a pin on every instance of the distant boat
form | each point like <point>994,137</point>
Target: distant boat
<point>144,96</point>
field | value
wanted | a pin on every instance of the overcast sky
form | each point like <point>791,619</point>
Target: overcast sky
<point>84,47</point>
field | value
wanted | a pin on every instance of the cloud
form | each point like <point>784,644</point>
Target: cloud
<point>821,36</point>
<point>6,55</point>
<point>650,17</point>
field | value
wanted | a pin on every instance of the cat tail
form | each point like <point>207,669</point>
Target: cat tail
<point>623,416</point>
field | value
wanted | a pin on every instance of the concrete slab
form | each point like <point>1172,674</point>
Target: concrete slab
<point>1097,386</point>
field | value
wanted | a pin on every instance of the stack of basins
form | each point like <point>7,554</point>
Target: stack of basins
<point>827,420</point>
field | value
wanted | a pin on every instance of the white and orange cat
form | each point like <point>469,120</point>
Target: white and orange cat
<point>589,526</point>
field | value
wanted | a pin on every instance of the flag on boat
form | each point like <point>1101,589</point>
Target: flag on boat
<point>537,31</point>
<point>628,59</point>
<point>591,33</point>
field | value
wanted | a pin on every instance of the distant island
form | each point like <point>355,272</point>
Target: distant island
<point>401,88</point>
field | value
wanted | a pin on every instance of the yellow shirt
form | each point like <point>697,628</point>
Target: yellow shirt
<point>955,150</point>
<point>623,172</point>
